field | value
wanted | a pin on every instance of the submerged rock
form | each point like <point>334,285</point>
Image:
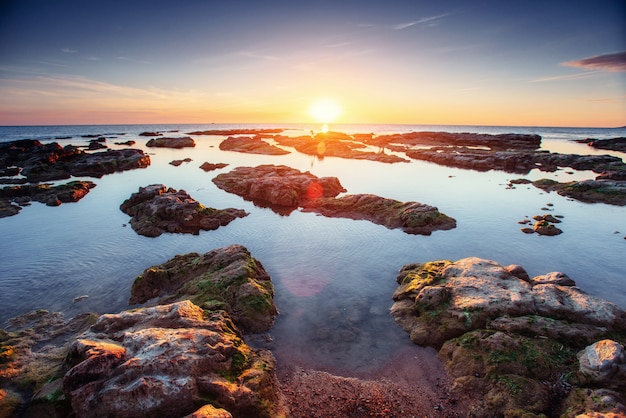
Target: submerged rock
<point>206,166</point>
<point>411,217</point>
<point>156,209</point>
<point>613,144</point>
<point>228,279</point>
<point>250,145</point>
<point>168,361</point>
<point>506,339</point>
<point>277,185</point>
<point>165,142</point>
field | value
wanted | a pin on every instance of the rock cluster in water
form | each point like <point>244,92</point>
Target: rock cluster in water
<point>156,209</point>
<point>512,341</point>
<point>174,359</point>
<point>250,145</point>
<point>45,193</point>
<point>176,142</point>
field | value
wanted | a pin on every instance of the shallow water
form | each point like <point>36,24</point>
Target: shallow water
<point>333,277</point>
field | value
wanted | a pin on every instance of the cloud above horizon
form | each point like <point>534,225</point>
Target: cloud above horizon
<point>608,62</point>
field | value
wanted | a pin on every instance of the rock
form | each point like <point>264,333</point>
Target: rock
<point>547,218</point>
<point>206,166</point>
<point>44,193</point>
<point>209,411</point>
<point>556,277</point>
<point>612,192</point>
<point>546,228</point>
<point>7,208</point>
<point>336,144</point>
<point>227,278</point>
<point>166,361</point>
<point>176,163</point>
<point>494,142</point>
<point>129,143</point>
<point>150,134</point>
<point>95,144</point>
<point>250,145</point>
<point>411,217</point>
<point>509,341</point>
<point>594,403</point>
<point>604,363</point>
<point>277,185</point>
<point>614,144</point>
<point>156,209</point>
<point>228,132</point>
<point>165,142</point>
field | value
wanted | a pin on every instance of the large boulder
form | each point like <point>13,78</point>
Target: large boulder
<point>227,278</point>
<point>167,361</point>
<point>277,185</point>
<point>411,217</point>
<point>156,209</point>
<point>509,340</point>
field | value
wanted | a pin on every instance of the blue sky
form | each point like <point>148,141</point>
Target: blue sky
<point>452,62</point>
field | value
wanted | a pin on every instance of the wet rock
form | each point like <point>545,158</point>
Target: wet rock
<point>44,193</point>
<point>546,228</point>
<point>510,342</point>
<point>8,209</point>
<point>411,217</point>
<point>166,361</point>
<point>494,142</point>
<point>336,144</point>
<point>150,134</point>
<point>165,142</point>
<point>228,279</point>
<point>206,166</point>
<point>277,185</point>
<point>156,209</point>
<point>613,144</point>
<point>612,192</point>
<point>250,145</point>
<point>176,163</point>
<point>129,143</point>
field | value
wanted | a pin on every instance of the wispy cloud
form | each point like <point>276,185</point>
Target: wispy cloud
<point>426,21</point>
<point>68,51</point>
<point>565,77</point>
<point>607,62</point>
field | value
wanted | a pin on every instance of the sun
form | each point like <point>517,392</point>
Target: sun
<point>325,110</point>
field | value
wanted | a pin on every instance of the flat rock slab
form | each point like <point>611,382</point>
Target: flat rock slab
<point>493,142</point>
<point>503,335</point>
<point>411,217</point>
<point>227,279</point>
<point>613,144</point>
<point>600,190</point>
<point>250,145</point>
<point>165,142</point>
<point>156,209</point>
<point>168,361</point>
<point>277,185</point>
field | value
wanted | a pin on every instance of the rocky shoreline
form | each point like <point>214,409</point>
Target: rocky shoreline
<point>511,345</point>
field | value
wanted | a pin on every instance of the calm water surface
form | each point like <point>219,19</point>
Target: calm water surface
<point>333,277</point>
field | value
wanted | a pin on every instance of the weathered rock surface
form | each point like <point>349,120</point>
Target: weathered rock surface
<point>206,166</point>
<point>156,209</point>
<point>604,363</point>
<point>493,142</point>
<point>250,145</point>
<point>45,162</point>
<point>601,190</point>
<point>165,142</point>
<point>167,361</point>
<point>613,144</point>
<point>177,163</point>
<point>228,278</point>
<point>508,340</point>
<point>411,217</point>
<point>336,144</point>
<point>277,185</point>
<point>32,350</point>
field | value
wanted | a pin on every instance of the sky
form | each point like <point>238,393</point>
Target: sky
<point>530,63</point>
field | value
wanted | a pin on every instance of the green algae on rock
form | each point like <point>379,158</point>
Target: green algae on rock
<point>612,192</point>
<point>227,279</point>
<point>509,340</point>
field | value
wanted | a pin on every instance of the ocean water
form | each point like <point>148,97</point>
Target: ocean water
<point>334,278</point>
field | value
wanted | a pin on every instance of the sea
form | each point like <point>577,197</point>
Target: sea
<point>333,278</point>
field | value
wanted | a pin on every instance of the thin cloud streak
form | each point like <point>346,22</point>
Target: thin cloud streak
<point>565,77</point>
<point>431,20</point>
<point>607,62</point>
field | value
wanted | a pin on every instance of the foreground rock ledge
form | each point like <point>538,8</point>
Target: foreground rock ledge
<point>156,209</point>
<point>511,341</point>
<point>168,361</point>
<point>227,279</point>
